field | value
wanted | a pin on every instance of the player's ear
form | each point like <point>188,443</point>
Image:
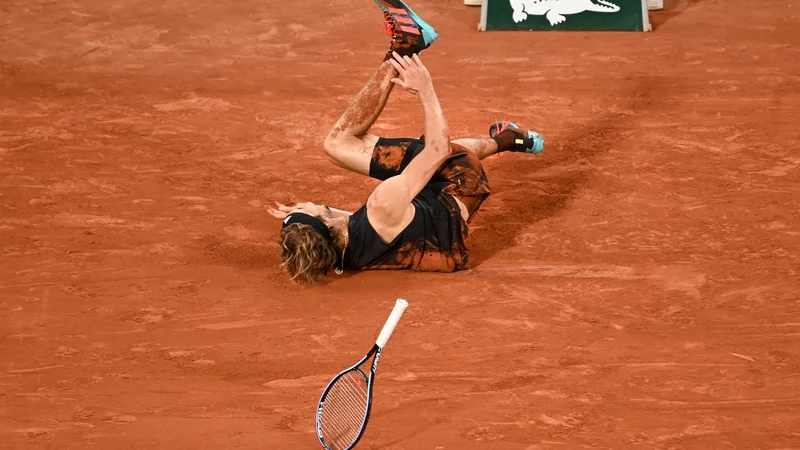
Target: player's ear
<point>329,220</point>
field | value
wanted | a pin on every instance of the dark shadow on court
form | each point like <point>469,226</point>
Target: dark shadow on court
<point>672,9</point>
<point>501,230</point>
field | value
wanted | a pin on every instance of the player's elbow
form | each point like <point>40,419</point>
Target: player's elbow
<point>387,215</point>
<point>379,204</point>
<point>440,147</point>
<point>439,137</point>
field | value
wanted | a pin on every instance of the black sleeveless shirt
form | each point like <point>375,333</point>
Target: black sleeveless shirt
<point>434,241</point>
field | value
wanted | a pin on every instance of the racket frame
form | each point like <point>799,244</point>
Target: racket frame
<point>377,348</point>
<point>376,351</point>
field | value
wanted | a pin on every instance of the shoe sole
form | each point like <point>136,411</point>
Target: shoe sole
<point>538,142</point>
<point>429,34</point>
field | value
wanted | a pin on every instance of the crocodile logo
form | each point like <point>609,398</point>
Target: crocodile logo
<point>555,10</point>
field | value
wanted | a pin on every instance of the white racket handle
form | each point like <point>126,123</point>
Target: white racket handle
<point>399,307</point>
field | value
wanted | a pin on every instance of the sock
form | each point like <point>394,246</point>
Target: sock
<point>507,141</point>
<point>401,50</point>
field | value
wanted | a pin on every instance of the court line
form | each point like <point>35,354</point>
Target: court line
<point>743,401</point>
<point>36,369</point>
<point>53,283</point>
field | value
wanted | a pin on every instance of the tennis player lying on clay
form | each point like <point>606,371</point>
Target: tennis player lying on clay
<point>418,217</point>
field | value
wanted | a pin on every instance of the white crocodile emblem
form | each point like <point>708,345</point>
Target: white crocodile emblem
<point>555,10</point>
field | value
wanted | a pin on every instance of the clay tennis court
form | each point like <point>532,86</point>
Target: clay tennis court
<point>634,286</point>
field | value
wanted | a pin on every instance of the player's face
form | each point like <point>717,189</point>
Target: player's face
<point>313,209</point>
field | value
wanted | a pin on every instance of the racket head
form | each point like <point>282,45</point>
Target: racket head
<point>343,409</point>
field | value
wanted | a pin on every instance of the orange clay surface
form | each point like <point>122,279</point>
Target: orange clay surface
<point>635,286</point>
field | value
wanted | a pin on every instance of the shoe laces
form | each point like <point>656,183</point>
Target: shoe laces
<point>501,126</point>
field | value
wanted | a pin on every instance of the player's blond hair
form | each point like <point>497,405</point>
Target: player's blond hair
<point>306,254</point>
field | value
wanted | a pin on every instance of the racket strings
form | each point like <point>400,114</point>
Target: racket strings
<point>342,425</point>
<point>342,414</point>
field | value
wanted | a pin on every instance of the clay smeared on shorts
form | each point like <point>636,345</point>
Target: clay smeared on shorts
<point>404,257</point>
<point>467,178</point>
<point>461,176</point>
<point>423,257</point>
<point>390,157</point>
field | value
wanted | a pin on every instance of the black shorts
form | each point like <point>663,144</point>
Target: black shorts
<point>461,175</point>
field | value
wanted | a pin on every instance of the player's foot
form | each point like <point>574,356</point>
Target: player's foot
<point>410,34</point>
<point>526,141</point>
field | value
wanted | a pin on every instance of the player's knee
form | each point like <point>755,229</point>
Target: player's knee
<point>332,146</point>
<point>337,146</point>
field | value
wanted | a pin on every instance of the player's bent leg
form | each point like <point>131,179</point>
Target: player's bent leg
<point>351,152</point>
<point>482,148</point>
<point>504,136</point>
<point>348,144</point>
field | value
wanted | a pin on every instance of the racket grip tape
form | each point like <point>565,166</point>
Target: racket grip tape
<point>399,307</point>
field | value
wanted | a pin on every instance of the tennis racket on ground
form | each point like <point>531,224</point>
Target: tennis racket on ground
<point>345,405</point>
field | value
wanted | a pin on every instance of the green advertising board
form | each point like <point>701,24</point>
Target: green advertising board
<point>564,15</point>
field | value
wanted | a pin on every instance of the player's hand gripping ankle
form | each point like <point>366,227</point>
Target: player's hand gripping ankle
<point>414,75</point>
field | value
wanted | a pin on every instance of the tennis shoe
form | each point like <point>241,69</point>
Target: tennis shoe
<point>526,141</point>
<point>410,34</point>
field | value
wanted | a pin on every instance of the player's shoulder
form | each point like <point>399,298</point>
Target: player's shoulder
<point>386,222</point>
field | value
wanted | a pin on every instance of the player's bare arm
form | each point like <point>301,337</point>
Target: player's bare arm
<point>389,208</point>
<point>339,212</point>
<point>280,211</point>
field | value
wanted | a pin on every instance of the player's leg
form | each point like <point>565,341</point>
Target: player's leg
<point>464,171</point>
<point>348,144</point>
<point>481,147</point>
<point>504,136</point>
